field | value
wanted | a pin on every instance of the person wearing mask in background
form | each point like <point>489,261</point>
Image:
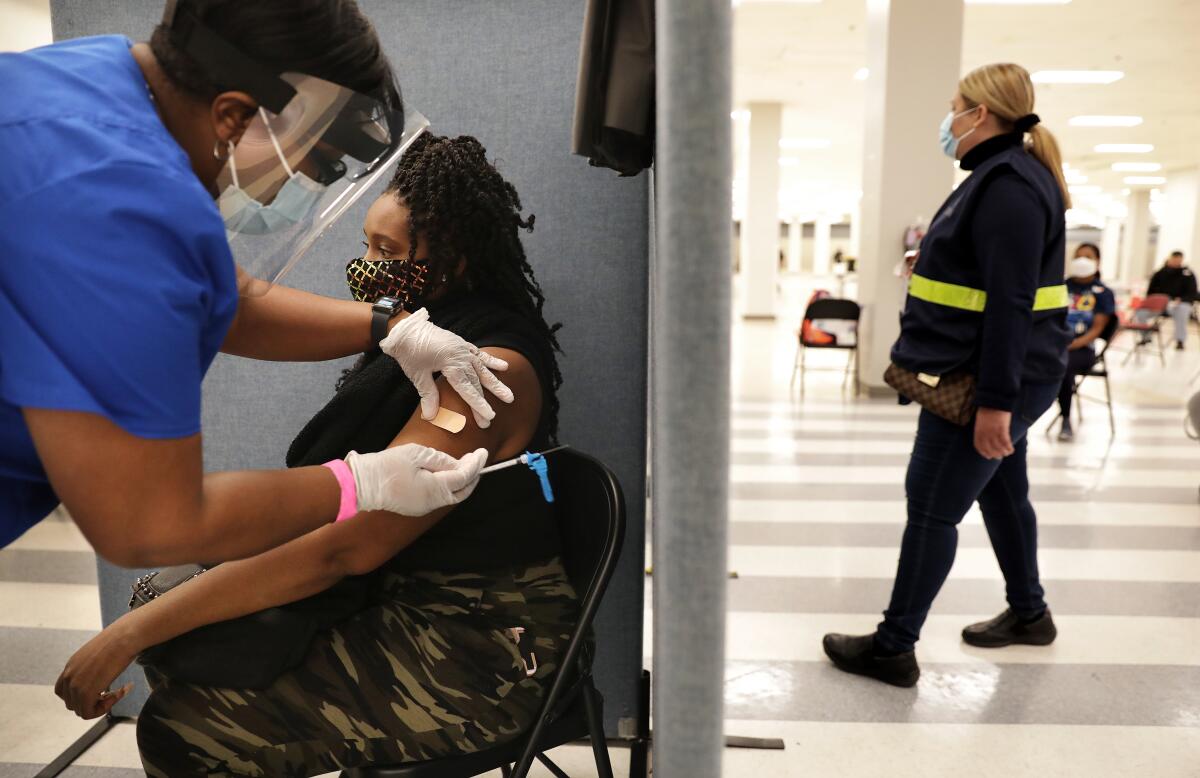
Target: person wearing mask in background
<point>1092,306</point>
<point>149,194</point>
<point>987,296</point>
<point>1179,283</point>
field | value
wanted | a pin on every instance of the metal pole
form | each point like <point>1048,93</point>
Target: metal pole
<point>690,383</point>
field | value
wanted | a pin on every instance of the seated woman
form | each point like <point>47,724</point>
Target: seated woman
<point>1092,307</point>
<point>431,667</point>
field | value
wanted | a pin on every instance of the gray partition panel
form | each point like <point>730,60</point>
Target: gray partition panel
<point>503,70</point>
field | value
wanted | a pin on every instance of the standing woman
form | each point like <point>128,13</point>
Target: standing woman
<point>986,298</point>
<point>125,168</point>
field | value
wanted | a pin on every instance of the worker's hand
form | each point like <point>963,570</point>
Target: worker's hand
<point>89,672</point>
<point>414,480</point>
<point>992,438</point>
<point>423,349</point>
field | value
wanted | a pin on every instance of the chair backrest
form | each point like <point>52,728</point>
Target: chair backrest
<point>832,308</point>
<point>590,511</point>
<point>1109,333</point>
<point>1155,303</point>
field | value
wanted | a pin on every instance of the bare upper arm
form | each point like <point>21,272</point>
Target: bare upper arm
<point>111,480</point>
<point>370,539</point>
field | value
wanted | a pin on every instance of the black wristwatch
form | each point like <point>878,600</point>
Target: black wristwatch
<point>381,313</point>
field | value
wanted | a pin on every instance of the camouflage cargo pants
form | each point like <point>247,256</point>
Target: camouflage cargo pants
<point>428,670</point>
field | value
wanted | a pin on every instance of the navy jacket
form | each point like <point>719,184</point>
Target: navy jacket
<point>987,292</point>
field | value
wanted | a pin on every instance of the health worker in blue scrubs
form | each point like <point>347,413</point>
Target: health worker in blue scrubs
<point>151,196</point>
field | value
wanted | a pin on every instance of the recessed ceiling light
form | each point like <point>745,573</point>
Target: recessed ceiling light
<point>1124,148</point>
<point>862,74</point>
<point>1136,167</point>
<point>1077,76</point>
<point>1145,180</point>
<point>1105,121</point>
<point>806,144</point>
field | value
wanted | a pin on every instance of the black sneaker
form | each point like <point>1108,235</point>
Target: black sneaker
<point>1007,629</point>
<point>1066,434</point>
<point>857,654</point>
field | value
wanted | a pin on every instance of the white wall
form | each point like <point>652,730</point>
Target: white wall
<point>1180,228</point>
<point>24,24</point>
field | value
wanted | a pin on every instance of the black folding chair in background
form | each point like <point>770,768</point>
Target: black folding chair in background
<point>827,309</point>
<point>1099,369</point>
<point>590,511</point>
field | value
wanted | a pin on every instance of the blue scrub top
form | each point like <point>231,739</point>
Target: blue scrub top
<point>117,285</point>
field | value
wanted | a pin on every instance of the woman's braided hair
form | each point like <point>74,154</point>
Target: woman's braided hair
<point>464,210</point>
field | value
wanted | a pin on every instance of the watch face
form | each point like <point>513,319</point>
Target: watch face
<point>389,303</point>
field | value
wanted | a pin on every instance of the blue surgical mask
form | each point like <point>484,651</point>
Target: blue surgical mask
<point>946,133</point>
<point>292,203</point>
<point>245,215</point>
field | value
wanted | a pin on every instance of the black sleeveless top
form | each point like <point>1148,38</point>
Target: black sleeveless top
<point>506,520</point>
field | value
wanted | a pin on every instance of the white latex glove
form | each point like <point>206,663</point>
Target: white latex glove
<point>423,349</point>
<point>414,480</point>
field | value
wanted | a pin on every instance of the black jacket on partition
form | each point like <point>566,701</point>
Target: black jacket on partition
<point>1178,283</point>
<point>987,293</point>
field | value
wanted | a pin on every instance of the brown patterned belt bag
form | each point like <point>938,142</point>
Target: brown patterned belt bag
<point>950,396</point>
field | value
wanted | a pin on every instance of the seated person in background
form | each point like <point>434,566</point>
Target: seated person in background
<point>1092,306</point>
<point>1179,283</point>
<point>430,667</point>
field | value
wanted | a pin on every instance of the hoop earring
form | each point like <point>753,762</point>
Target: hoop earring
<point>217,151</point>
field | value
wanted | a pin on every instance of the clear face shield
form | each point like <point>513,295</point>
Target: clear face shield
<point>310,152</point>
<point>294,173</point>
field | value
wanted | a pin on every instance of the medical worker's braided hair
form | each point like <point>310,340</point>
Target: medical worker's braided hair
<point>329,39</point>
<point>463,208</point>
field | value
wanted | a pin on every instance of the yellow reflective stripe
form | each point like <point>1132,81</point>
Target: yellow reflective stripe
<point>1050,297</point>
<point>967,299</point>
<point>951,295</point>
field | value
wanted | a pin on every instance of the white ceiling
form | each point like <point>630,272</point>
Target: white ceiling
<point>805,55</point>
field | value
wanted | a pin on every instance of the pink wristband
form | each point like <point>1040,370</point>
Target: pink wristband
<point>345,479</point>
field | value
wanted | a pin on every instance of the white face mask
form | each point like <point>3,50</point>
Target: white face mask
<point>243,214</point>
<point>946,137</point>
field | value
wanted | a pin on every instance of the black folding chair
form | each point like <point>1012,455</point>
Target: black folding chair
<point>1099,369</point>
<point>590,511</point>
<point>827,308</point>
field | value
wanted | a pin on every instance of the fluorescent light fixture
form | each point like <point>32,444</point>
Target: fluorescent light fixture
<point>1124,148</point>
<point>789,161</point>
<point>862,74</point>
<point>1105,121</point>
<point>1136,167</point>
<point>1145,180</point>
<point>1077,76</point>
<point>804,144</point>
<point>1085,190</point>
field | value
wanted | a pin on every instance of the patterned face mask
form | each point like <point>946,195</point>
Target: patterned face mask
<point>369,280</point>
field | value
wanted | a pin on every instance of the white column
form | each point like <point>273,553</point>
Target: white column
<point>1110,249</point>
<point>856,229</point>
<point>1135,244</point>
<point>822,244</point>
<point>760,229</point>
<point>795,231</point>
<point>905,174</point>
<point>1180,228</point>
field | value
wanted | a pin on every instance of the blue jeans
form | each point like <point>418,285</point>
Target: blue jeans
<point>945,475</point>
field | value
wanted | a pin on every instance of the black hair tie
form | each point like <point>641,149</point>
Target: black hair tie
<point>1027,122</point>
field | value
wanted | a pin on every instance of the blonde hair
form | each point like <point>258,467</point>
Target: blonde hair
<point>1007,91</point>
